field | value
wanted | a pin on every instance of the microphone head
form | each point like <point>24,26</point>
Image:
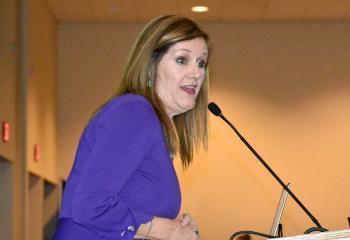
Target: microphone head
<point>214,109</point>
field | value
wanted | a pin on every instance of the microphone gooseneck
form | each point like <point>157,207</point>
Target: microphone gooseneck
<point>217,112</point>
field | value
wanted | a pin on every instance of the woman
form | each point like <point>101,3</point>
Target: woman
<point>123,184</point>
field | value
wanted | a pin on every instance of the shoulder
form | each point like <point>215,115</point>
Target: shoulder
<point>128,107</point>
<point>127,100</point>
<point>130,99</point>
<point>124,117</point>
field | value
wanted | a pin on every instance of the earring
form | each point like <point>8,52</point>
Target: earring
<point>149,83</point>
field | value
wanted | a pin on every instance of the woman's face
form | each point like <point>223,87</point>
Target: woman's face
<point>180,75</point>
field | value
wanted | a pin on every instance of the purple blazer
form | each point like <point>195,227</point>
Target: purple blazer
<point>122,175</point>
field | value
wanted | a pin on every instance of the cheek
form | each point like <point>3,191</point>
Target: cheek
<point>165,77</point>
<point>172,82</point>
<point>200,83</point>
<point>165,87</point>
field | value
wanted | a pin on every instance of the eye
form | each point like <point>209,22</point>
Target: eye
<point>181,60</point>
<point>201,64</point>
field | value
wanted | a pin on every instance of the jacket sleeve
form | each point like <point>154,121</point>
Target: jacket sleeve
<point>122,136</point>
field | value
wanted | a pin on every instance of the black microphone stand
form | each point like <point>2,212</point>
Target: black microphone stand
<point>216,111</point>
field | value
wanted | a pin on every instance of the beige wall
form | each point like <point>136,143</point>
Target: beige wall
<point>8,60</point>
<point>41,96</point>
<point>8,86</point>
<point>28,44</point>
<point>286,86</point>
<point>90,61</point>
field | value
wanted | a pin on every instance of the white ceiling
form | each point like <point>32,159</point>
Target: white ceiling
<point>219,10</point>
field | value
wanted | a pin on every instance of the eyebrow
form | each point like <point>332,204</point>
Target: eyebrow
<point>185,49</point>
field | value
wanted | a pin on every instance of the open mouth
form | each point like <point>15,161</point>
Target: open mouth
<point>190,89</point>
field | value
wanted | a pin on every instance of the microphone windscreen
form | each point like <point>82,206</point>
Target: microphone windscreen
<point>214,109</point>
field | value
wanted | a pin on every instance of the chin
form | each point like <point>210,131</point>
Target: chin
<point>189,106</point>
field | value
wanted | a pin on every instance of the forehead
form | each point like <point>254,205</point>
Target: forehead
<point>196,45</point>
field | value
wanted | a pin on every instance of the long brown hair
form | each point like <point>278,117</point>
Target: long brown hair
<point>188,130</point>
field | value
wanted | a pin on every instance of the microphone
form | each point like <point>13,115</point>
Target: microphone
<point>214,109</point>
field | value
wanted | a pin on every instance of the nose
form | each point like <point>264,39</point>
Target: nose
<point>195,72</point>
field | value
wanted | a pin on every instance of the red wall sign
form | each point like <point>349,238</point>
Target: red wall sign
<point>36,152</point>
<point>5,131</point>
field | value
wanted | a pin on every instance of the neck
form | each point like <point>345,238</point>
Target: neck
<point>170,113</point>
